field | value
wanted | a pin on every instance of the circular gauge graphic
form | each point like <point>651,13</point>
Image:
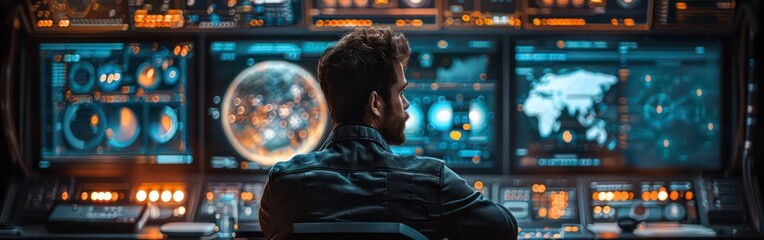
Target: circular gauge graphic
<point>440,115</point>
<point>674,212</point>
<point>416,3</point>
<point>171,75</point>
<point>148,76</point>
<point>82,77</point>
<point>123,128</point>
<point>478,116</point>
<point>658,110</point>
<point>109,77</point>
<point>272,111</point>
<point>164,126</point>
<point>414,123</point>
<point>627,3</point>
<point>84,125</point>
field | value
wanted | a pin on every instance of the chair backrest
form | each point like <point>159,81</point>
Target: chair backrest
<point>354,230</point>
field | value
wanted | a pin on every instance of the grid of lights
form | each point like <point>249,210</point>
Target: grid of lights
<point>613,196</point>
<point>100,196</point>
<point>163,196</point>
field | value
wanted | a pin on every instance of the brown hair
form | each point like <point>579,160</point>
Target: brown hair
<point>362,61</point>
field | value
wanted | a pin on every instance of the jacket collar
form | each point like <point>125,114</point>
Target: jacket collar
<point>355,132</point>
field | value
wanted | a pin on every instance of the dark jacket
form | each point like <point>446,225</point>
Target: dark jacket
<point>355,177</point>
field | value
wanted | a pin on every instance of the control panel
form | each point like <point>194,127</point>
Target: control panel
<point>587,14</point>
<point>643,201</point>
<point>589,206</point>
<point>402,14</point>
<point>470,14</point>
<point>212,14</point>
<point>543,207</point>
<point>92,202</point>
<point>693,14</point>
<point>233,206</point>
<point>78,15</point>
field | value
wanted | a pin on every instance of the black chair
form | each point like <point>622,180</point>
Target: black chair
<point>354,230</point>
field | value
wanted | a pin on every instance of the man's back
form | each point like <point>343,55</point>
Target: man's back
<point>355,177</point>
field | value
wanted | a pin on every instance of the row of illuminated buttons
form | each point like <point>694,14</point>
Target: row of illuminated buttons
<point>612,196</point>
<point>663,195</point>
<point>537,235</point>
<point>603,211</point>
<point>577,22</point>
<point>244,196</point>
<point>154,196</point>
<point>646,196</point>
<point>365,22</point>
<point>104,196</point>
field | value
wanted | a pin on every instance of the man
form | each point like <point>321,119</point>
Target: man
<point>354,176</point>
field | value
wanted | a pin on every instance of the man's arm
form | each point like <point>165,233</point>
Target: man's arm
<point>467,215</point>
<point>265,213</point>
<point>273,216</point>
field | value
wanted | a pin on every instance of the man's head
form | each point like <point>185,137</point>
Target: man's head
<point>363,80</point>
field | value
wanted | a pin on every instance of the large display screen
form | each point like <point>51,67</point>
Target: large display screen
<point>617,104</point>
<point>120,101</point>
<point>268,106</point>
<point>452,86</point>
<point>264,103</point>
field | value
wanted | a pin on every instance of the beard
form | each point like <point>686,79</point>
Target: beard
<point>393,126</point>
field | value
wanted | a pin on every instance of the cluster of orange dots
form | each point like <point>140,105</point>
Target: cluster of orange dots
<point>602,209</point>
<point>613,196</point>
<point>538,188</point>
<point>100,196</point>
<point>558,202</point>
<point>560,22</point>
<point>181,50</point>
<point>571,229</point>
<point>343,23</point>
<point>144,20</point>
<point>45,23</point>
<point>626,21</point>
<point>662,195</point>
<point>257,22</point>
<point>247,196</point>
<point>414,22</point>
<point>479,21</point>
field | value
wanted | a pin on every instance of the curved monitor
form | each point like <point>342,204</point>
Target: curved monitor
<point>115,102</point>
<point>617,104</point>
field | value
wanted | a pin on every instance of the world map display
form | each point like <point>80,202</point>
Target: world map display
<point>617,104</point>
<point>576,92</point>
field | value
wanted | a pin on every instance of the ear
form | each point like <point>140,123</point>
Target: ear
<point>375,104</point>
